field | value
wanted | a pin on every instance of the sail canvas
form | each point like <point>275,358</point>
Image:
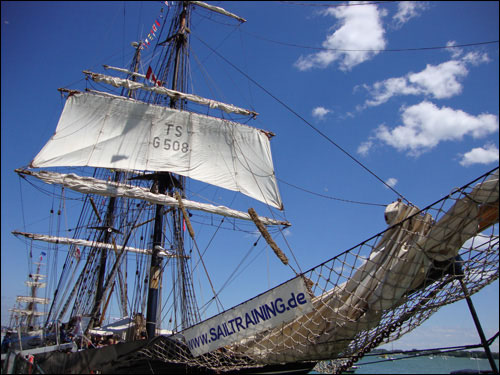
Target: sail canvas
<point>111,132</point>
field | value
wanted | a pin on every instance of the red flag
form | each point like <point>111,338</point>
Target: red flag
<point>149,72</point>
<point>150,76</point>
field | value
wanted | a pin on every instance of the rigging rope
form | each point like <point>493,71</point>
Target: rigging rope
<point>330,197</point>
<point>370,50</point>
<point>304,120</point>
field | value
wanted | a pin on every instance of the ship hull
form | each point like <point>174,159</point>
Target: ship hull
<point>128,358</point>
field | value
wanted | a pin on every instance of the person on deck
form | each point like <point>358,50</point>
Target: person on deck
<point>6,342</point>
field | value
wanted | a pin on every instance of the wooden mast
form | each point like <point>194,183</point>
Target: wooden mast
<point>96,314</point>
<point>166,182</point>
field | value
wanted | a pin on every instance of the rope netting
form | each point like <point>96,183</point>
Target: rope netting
<point>378,290</point>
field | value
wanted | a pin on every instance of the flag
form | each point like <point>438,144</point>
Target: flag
<point>77,253</point>
<point>150,76</point>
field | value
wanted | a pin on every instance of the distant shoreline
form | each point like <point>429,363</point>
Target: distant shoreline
<point>457,353</point>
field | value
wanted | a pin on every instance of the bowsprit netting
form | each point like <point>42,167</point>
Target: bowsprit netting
<point>380,289</point>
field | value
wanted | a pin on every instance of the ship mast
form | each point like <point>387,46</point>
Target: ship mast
<point>96,314</point>
<point>167,183</point>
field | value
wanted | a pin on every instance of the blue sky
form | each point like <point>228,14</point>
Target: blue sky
<point>424,120</point>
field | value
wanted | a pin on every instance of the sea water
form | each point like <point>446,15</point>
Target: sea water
<point>418,365</point>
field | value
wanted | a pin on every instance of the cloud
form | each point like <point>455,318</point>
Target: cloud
<point>408,10</point>
<point>320,112</point>
<point>474,58</point>
<point>392,181</point>
<point>438,81</point>
<point>359,38</point>
<point>456,52</point>
<point>480,155</point>
<point>425,126</point>
<point>364,148</point>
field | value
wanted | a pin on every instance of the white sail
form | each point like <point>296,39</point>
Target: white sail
<point>43,301</point>
<point>80,242</point>
<point>109,132</point>
<point>90,185</point>
<point>132,85</point>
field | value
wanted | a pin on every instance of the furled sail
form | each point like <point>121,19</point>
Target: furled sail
<point>28,312</point>
<point>218,10</point>
<point>110,132</point>
<point>90,185</point>
<point>35,284</point>
<point>27,299</point>
<point>80,242</point>
<point>399,263</point>
<point>133,85</point>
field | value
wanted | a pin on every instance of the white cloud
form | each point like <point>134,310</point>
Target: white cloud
<point>455,51</point>
<point>408,10</point>
<point>358,38</point>
<point>392,181</point>
<point>320,112</point>
<point>365,147</point>
<point>480,155</point>
<point>425,126</point>
<point>437,81</point>
<point>476,58</point>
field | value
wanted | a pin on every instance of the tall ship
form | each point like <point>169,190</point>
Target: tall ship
<point>135,150</point>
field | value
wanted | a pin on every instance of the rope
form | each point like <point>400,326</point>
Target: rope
<point>303,120</point>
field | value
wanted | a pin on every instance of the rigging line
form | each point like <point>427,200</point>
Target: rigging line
<point>216,296</point>
<point>369,50</point>
<point>328,196</point>
<point>22,201</point>
<point>304,120</point>
<point>424,352</point>
<point>335,5</point>
<point>233,275</point>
